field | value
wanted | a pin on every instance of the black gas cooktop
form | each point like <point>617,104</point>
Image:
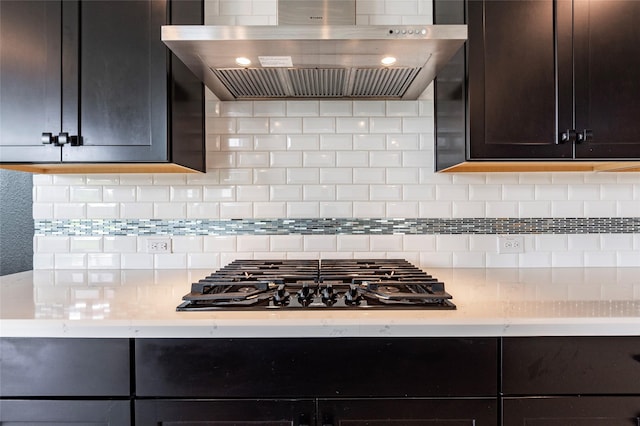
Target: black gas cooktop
<point>317,284</point>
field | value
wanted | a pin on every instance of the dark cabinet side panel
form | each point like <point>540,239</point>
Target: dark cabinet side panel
<point>571,365</point>
<point>512,80</point>
<point>64,413</point>
<point>299,368</point>
<point>30,72</point>
<point>249,412</point>
<point>607,40</point>
<point>64,367</point>
<point>572,411</point>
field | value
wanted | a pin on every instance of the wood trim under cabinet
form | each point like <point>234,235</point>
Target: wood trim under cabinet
<point>82,168</point>
<point>544,166</point>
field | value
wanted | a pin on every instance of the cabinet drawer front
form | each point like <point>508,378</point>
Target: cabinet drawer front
<point>64,367</point>
<point>571,365</point>
<point>572,411</point>
<point>294,368</point>
<point>59,413</point>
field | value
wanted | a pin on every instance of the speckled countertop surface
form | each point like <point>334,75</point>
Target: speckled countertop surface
<point>490,302</point>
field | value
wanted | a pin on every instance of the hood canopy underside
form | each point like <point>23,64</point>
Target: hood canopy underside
<point>298,61</point>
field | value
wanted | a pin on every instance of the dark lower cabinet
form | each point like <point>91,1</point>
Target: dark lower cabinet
<point>572,411</point>
<point>202,412</point>
<point>65,381</point>
<point>64,413</point>
<point>407,411</point>
<point>571,381</point>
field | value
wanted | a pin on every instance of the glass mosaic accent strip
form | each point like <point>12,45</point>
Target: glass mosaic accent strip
<point>335,226</point>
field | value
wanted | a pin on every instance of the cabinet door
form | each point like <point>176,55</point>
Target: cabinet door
<point>607,59</point>
<point>408,412</point>
<point>122,73</point>
<point>64,413</point>
<point>30,72</point>
<point>572,411</point>
<point>513,98</point>
<point>224,412</point>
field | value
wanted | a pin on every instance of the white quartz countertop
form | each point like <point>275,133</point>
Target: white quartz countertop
<point>490,302</point>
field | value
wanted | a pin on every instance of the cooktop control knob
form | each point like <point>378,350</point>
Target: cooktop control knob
<point>281,297</point>
<point>352,296</point>
<point>328,296</point>
<point>305,295</point>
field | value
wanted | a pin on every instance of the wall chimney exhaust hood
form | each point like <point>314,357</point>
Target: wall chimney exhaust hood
<point>312,54</point>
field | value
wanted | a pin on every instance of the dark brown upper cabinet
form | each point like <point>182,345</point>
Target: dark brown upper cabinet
<point>89,86</point>
<point>550,85</point>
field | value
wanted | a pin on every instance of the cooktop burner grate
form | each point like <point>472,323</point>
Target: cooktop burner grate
<point>314,284</point>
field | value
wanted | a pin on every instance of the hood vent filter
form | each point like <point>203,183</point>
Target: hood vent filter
<point>253,83</point>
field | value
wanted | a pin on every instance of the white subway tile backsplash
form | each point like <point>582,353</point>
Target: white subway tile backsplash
<point>269,210</point>
<point>306,175</point>
<point>103,261</point>
<point>402,209</point>
<point>136,210</point>
<point>367,209</point>
<point>352,159</point>
<point>352,125</point>
<point>303,142</point>
<point>285,159</point>
<point>52,194</point>
<point>236,109</point>
<point>169,210</point>
<point>600,208</point>
<point>120,244</point>
<point>336,142</point>
<point>369,108</point>
<point>418,192</point>
<point>219,193</point>
<point>385,192</point>
<point>336,175</point>
<point>42,210</point>
<point>253,159</point>
<point>303,209</point>
<point>70,211</point>
<point>385,159</point>
<point>253,243</point>
<point>409,142</point>
<point>320,243</point>
<point>269,109</point>
<point>627,208</point>
<point>285,193</point>
<point>519,192</point>
<point>405,175</point>
<point>210,261</point>
<point>239,210</point>
<point>352,192</point>
<point>136,261</point>
<point>584,192</point>
<point>534,209</point>
<point>185,193</point>
<point>152,193</point>
<point>285,125</point>
<point>369,175</point>
<point>103,210</point>
<point>270,143</point>
<point>285,243</point>
<point>203,210</point>
<point>220,243</point>
<point>617,242</point>
<point>252,193</point>
<point>365,142</point>
<point>319,192</point>
<point>567,209</point>
<point>436,209</point>
<point>303,109</point>
<point>469,209</point>
<point>336,108</point>
<point>385,125</point>
<point>70,260</point>
<point>318,159</point>
<point>339,209</point>
<point>119,193</point>
<point>253,125</point>
<point>235,143</point>
<point>86,244</point>
<point>269,176</point>
<point>170,261</point>
<point>236,176</point>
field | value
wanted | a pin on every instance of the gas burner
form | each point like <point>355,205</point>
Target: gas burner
<point>312,284</point>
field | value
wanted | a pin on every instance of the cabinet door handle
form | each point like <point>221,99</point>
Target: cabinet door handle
<point>48,138</point>
<point>568,136</point>
<point>585,136</point>
<point>75,140</point>
<point>63,138</point>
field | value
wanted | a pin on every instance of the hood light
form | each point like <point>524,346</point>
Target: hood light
<point>243,62</point>
<point>388,60</point>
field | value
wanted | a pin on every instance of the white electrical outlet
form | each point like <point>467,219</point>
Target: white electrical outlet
<point>159,245</point>
<point>511,244</point>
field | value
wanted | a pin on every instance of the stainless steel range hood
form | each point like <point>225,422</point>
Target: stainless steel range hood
<point>315,61</point>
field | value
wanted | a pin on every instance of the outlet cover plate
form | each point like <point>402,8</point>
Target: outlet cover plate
<point>511,244</point>
<point>159,245</point>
